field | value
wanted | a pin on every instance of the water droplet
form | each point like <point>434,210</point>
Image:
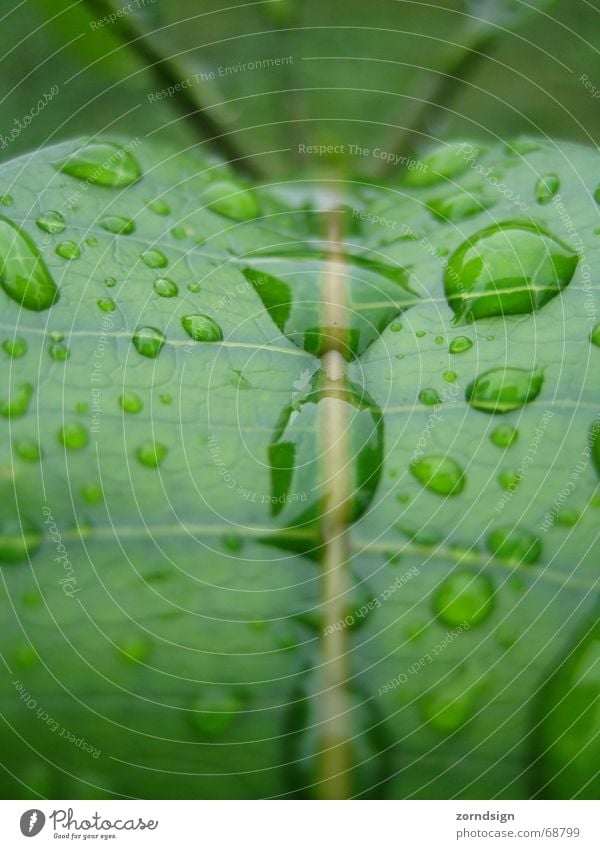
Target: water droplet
<point>92,493</point>
<point>509,480</point>
<point>103,164</point>
<point>106,304</point>
<point>547,186</point>
<point>420,334</point>
<point>194,287</point>
<point>68,250</point>
<point>443,163</point>
<point>202,328</point>
<point>6,200</point>
<point>117,225</point>
<point>59,351</point>
<point>504,435</point>
<point>134,650</point>
<point>51,222</point>
<point>15,347</point>
<point>130,402</point>
<point>460,344</point>
<point>110,282</point>
<point>448,708</point>
<point>514,544</point>
<point>165,288</point>
<point>214,712</point>
<point>18,540</point>
<point>148,341</point>
<point>501,390</point>
<point>464,598</point>
<point>395,327</point>
<point>29,449</point>
<point>231,200</point>
<point>429,397</point>
<point>23,273</point>
<point>151,454</point>
<point>594,441</point>
<point>509,269</point>
<point>568,518</point>
<point>82,407</point>
<point>439,474</point>
<point>154,258</point>
<point>73,436</point>
<point>56,335</point>
<point>166,399</point>
<point>91,241</point>
<point>18,402</point>
<point>232,542</point>
<point>159,206</point>
<point>460,205</point>
<point>595,335</point>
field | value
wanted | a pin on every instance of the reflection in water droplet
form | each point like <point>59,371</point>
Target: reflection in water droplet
<point>514,544</point>
<point>508,269</point>
<point>504,435</point>
<point>165,287</point>
<point>23,273</point>
<point>103,164</point>
<point>68,250</point>
<point>464,598</point>
<point>439,474</point>
<point>202,328</point>
<point>148,341</point>
<point>231,200</point>
<point>18,401</point>
<point>547,186</point>
<point>18,540</point>
<point>154,258</point>
<point>74,436</point>
<point>151,454</point>
<point>501,390</point>
<point>15,347</point>
<point>51,222</point>
<point>460,344</point>
<point>130,402</point>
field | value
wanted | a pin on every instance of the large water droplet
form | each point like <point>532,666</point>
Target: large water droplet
<point>202,328</point>
<point>18,402</point>
<point>148,341</point>
<point>515,544</point>
<point>507,269</point>
<point>103,164</point>
<point>151,454</point>
<point>23,273</point>
<point>501,390</point>
<point>74,436</point>
<point>231,200</point>
<point>51,222</point>
<point>439,473</point>
<point>117,224</point>
<point>464,598</point>
<point>18,540</point>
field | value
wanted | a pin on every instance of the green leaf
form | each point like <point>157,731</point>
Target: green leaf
<point>248,431</point>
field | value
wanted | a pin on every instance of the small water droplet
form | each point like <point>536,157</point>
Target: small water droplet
<point>134,650</point>
<point>442,163</point>
<point>231,200</point>
<point>448,708</point>
<point>117,224</point>
<point>82,407</point>
<point>501,390</point>
<point>151,454</point>
<point>106,304</point>
<point>429,397</point>
<point>92,493</point>
<point>214,712</point>
<point>159,207</point>
<point>110,282</point>
<point>148,341</point>
<point>18,540</point>
<point>439,474</point>
<point>51,222</point>
<point>547,186</point>
<point>395,327</point>
<point>464,598</point>
<point>91,241</point>
<point>6,200</point>
<point>74,436</point>
<point>504,435</point>
<point>460,344</point>
<point>59,351</point>
<point>460,205</point>
<point>15,347</point>
<point>232,542</point>
<point>568,518</point>
<point>595,336</point>
<point>194,287</point>
<point>68,250</point>
<point>202,328</point>
<point>18,402</point>
<point>166,399</point>
<point>165,288</point>
<point>130,402</point>
<point>508,269</point>
<point>515,544</point>
<point>420,334</point>
<point>154,258</point>
<point>450,376</point>
<point>509,480</point>
<point>56,335</point>
<point>103,164</point>
<point>23,273</point>
<point>29,449</point>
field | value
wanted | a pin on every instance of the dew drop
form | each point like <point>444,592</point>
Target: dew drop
<point>151,454</point>
<point>547,186</point>
<point>202,328</point>
<point>117,225</point>
<point>439,474</point>
<point>464,598</point>
<point>103,164</point>
<point>29,450</point>
<point>595,336</point>
<point>514,544</point>
<point>159,207</point>
<point>130,402</point>
<point>68,250</point>
<point>231,200</point>
<point>15,347</point>
<point>194,287</point>
<point>51,222</point>
<point>501,390</point>
<point>92,493</point>
<point>154,258</point>
<point>110,282</point>
<point>429,397</point>
<point>59,351</point>
<point>450,376</point>
<point>106,304</point>
<point>504,436</point>
<point>460,344</point>
<point>18,402</point>
<point>508,269</point>
<point>148,341</point>
<point>460,205</point>
<point>165,288</point>
<point>74,436</point>
<point>23,273</point>
<point>18,540</point>
<point>447,709</point>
